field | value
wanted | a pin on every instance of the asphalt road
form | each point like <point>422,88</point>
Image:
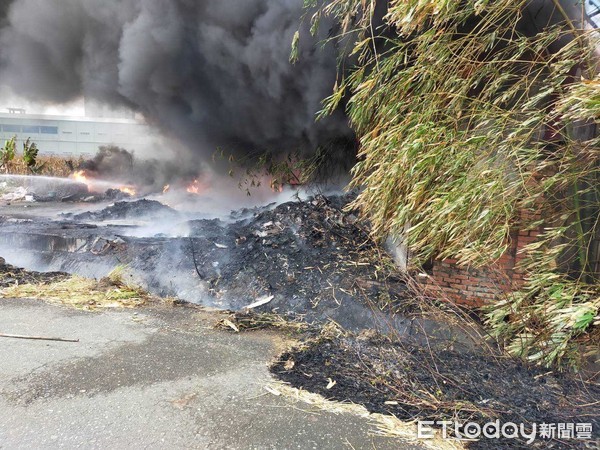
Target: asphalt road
<point>152,378</point>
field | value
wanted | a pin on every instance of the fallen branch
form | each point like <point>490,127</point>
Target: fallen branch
<point>194,259</point>
<point>37,338</point>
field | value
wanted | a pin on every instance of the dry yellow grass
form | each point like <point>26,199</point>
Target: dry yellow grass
<point>82,293</point>
<point>384,425</point>
<point>54,166</point>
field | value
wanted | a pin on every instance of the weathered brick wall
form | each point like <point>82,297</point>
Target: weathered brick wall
<point>476,287</point>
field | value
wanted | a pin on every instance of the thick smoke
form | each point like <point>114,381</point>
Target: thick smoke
<point>213,73</point>
<point>210,72</point>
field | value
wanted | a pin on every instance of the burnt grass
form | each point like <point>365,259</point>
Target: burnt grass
<point>441,384</point>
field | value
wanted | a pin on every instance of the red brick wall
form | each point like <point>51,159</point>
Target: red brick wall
<point>476,287</point>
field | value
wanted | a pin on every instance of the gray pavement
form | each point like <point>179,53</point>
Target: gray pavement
<point>152,378</point>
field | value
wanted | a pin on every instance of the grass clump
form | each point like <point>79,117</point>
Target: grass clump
<point>83,293</point>
<point>251,321</point>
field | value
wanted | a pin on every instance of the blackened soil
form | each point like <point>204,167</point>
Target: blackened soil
<point>442,384</point>
<point>10,276</point>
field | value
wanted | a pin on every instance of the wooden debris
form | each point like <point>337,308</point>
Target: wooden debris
<point>260,302</point>
<point>273,391</point>
<point>231,325</point>
<point>37,338</point>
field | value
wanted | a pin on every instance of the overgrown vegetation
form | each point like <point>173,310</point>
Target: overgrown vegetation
<point>293,169</point>
<point>29,162</point>
<point>7,154</point>
<point>30,155</point>
<point>472,122</point>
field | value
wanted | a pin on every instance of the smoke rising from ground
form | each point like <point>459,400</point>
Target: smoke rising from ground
<point>210,72</point>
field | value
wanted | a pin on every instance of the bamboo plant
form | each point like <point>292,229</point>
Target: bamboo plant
<point>467,118</point>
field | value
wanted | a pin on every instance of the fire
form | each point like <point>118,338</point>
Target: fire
<point>167,188</point>
<point>195,187</point>
<point>128,190</point>
<point>80,176</point>
<point>93,185</point>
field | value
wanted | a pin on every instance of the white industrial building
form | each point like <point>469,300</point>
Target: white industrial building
<point>73,136</point>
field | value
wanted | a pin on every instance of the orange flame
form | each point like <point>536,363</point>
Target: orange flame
<point>128,190</point>
<point>195,187</point>
<point>80,176</point>
<point>167,188</point>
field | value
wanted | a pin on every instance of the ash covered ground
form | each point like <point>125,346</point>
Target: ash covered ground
<point>140,209</point>
<point>439,381</point>
<point>11,276</point>
<point>310,259</point>
<point>311,262</point>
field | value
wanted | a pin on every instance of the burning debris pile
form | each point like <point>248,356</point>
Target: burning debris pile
<point>98,190</point>
<point>309,259</point>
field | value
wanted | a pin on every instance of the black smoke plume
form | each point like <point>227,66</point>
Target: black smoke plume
<point>213,73</point>
<point>149,175</point>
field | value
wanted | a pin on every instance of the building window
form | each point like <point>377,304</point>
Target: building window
<point>49,130</point>
<point>11,128</point>
<point>31,129</point>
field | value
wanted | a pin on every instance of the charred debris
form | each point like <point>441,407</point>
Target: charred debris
<point>310,268</point>
<point>313,260</point>
<point>438,378</point>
